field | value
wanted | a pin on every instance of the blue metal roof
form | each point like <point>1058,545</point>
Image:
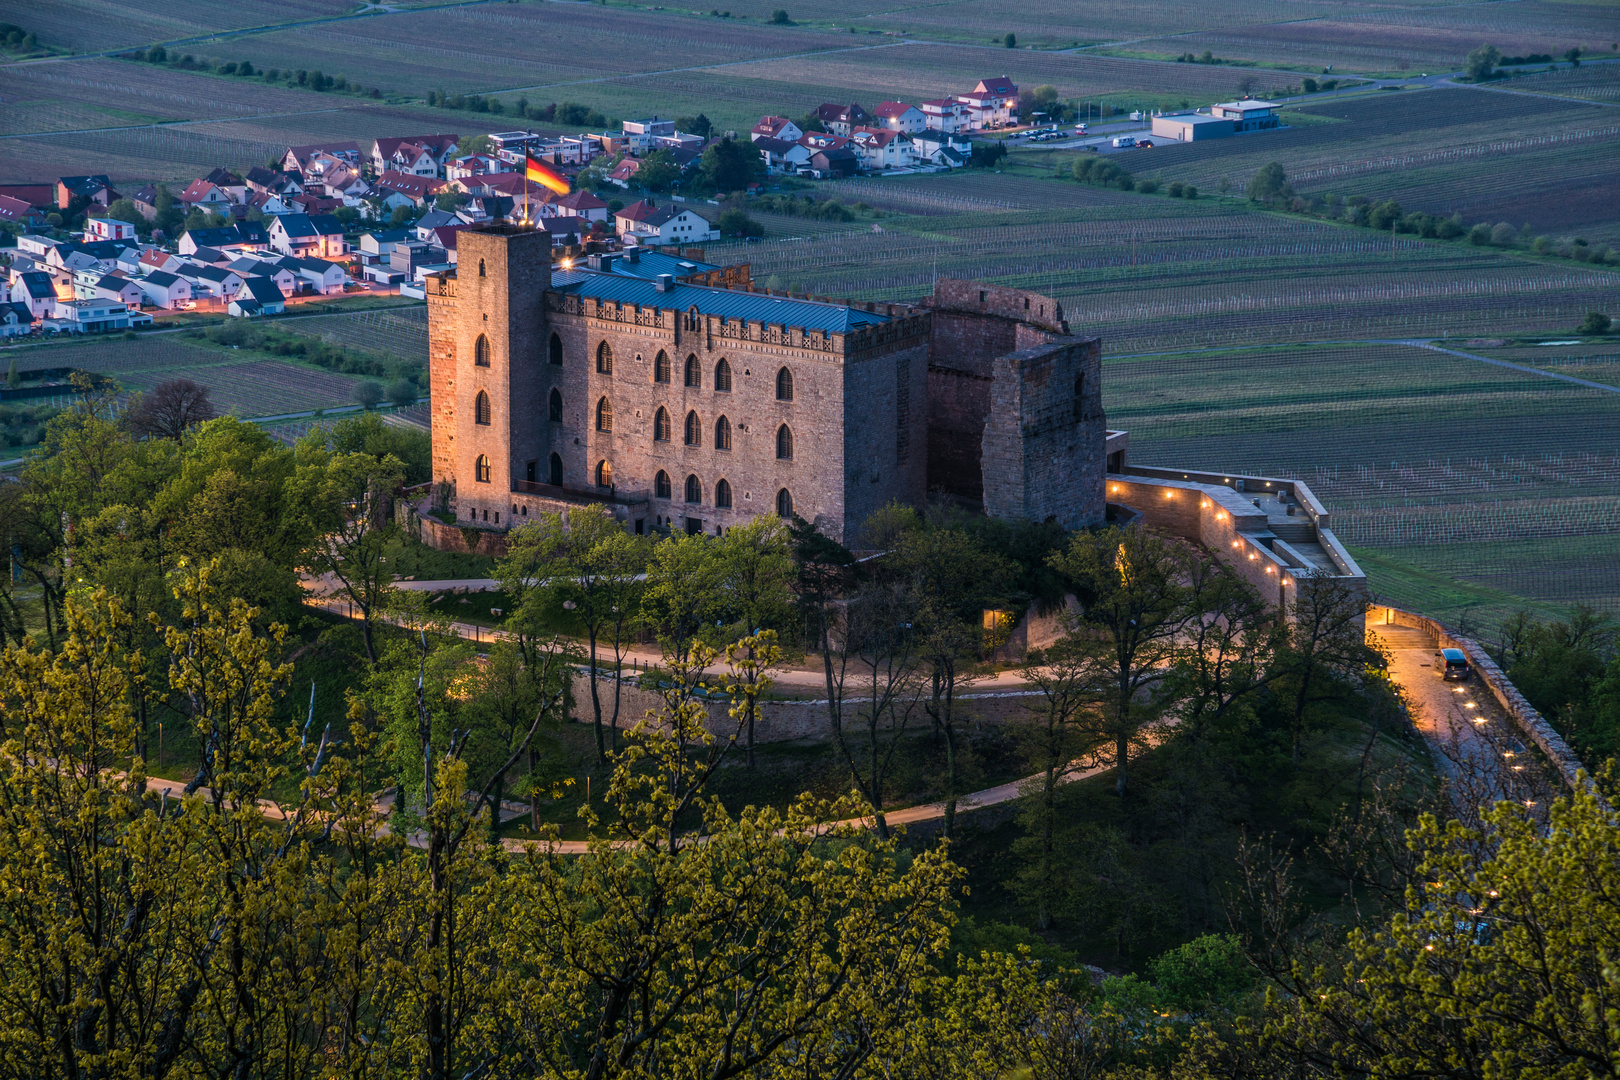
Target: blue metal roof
<point>649,264</point>
<point>727,303</point>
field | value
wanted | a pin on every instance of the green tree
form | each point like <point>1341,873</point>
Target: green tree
<point>1133,584</point>
<point>1481,62</point>
<point>753,576</point>
<point>1595,323</point>
<point>404,392</point>
<point>658,171</point>
<point>698,125</point>
<point>588,565</point>
<point>1011,40</point>
<point>1325,646</point>
<point>368,394</point>
<point>779,17</point>
<point>736,222</point>
<point>1269,184</point>
<point>729,165</point>
<point>345,501</point>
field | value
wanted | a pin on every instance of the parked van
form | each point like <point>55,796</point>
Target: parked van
<point>1123,141</point>
<point>1453,664</point>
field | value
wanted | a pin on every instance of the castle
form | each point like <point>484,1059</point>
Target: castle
<point>687,398</point>
<point>684,397</point>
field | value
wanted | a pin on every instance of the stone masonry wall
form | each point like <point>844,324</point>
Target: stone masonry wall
<point>1043,445</point>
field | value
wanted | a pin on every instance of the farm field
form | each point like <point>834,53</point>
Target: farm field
<point>1593,82</point>
<point>1599,362</point>
<point>399,332</point>
<point>248,387</point>
<point>1554,164</point>
<point>1151,273</point>
<point>1440,471</point>
<point>1406,41</point>
<point>96,25</point>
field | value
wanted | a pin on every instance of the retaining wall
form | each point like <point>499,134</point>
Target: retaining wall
<point>1529,721</point>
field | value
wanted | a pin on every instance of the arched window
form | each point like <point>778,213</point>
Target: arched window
<point>784,443</point>
<point>784,505</point>
<point>694,373</point>
<point>693,319</point>
<point>694,430</point>
<point>661,367</point>
<point>722,495</point>
<point>661,485</point>
<point>661,430</point>
<point>481,409</point>
<point>694,490</point>
<point>481,351</point>
<point>556,406</point>
<point>604,359</point>
<point>604,474</point>
<point>556,470</point>
<point>722,434</point>
<point>784,385</point>
<point>556,351</point>
<point>722,377</point>
<point>481,469</point>
<point>480,267</point>
<point>604,415</point>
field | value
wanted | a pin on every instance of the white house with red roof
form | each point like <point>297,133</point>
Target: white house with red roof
<point>206,195</point>
<point>474,165</point>
<point>881,148</point>
<point>776,127</point>
<point>992,104</point>
<point>623,172</point>
<point>578,204</point>
<point>298,159</point>
<point>418,189</point>
<point>414,153</point>
<point>945,114</point>
<point>898,116</point>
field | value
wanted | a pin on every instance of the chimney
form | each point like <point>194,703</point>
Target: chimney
<point>666,282</point>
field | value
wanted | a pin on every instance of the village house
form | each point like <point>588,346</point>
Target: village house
<point>87,316</point>
<point>21,212</point>
<point>842,119</point>
<point>414,155</point>
<point>259,296</point>
<point>232,184</point>
<point>303,159</point>
<point>580,204</point>
<point>939,148</point>
<point>781,156</point>
<point>882,148</point>
<point>267,204</point>
<point>481,208</point>
<point>945,115</point>
<point>776,127</point>
<point>672,224</point>
<point>991,104</point>
<point>242,236</point>
<point>107,229</point>
<point>390,187</point>
<point>200,194</point>
<point>250,267</point>
<point>97,189</point>
<point>319,275</point>
<point>305,236</point>
<point>641,133</point>
<point>624,172</point>
<point>474,165</point>
<point>35,290</point>
<point>431,220</point>
<point>15,320</point>
<point>898,116</point>
<point>273,182</point>
<point>111,287</point>
<point>161,289</point>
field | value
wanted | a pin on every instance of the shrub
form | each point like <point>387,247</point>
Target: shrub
<point>368,393</point>
<point>1011,41</point>
<point>1309,85</point>
<point>1147,186</point>
<point>1595,323</point>
<point>779,17</point>
<point>1269,183</point>
<point>1480,234</point>
<point>403,392</point>
<point>1450,228</point>
<point>1175,189</point>
<point>1208,969</point>
<point>1481,63</point>
<point>1384,215</point>
<point>1189,192</point>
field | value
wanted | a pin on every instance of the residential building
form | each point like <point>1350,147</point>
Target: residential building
<point>672,224</point>
<point>776,127</point>
<point>145,199</point>
<point>107,229</point>
<point>834,161</point>
<point>385,156</point>
<point>21,212</point>
<point>122,289</point>
<point>15,320</point>
<point>161,289</point>
<point>1193,127</point>
<point>993,103</point>
<point>227,181</point>
<point>306,236</point>
<point>939,148</point>
<point>242,236</point>
<point>35,290</point>
<point>641,133</point>
<point>945,115</point>
<point>417,189</point>
<point>482,208</point>
<point>782,156</point>
<point>258,296</point>
<point>267,204</point>
<point>898,116</point>
<point>433,219</point>
<point>624,172</point>
<point>474,165</point>
<point>842,119</point>
<point>882,148</point>
<point>283,276</point>
<point>40,196</point>
<point>273,182</point>
<point>377,245</point>
<point>96,189</point>
<point>321,276</point>
<point>580,204</point>
<point>300,159</point>
<point>201,194</point>
<point>87,316</point>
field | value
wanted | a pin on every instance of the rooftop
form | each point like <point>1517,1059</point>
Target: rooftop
<point>1247,105</point>
<point>726,303</point>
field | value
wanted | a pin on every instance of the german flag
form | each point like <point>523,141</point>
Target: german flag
<point>541,173</point>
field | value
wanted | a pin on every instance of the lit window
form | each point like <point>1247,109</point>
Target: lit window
<point>481,409</point>
<point>604,474</point>
<point>604,359</point>
<point>481,351</point>
<point>481,469</point>
<point>604,415</point>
